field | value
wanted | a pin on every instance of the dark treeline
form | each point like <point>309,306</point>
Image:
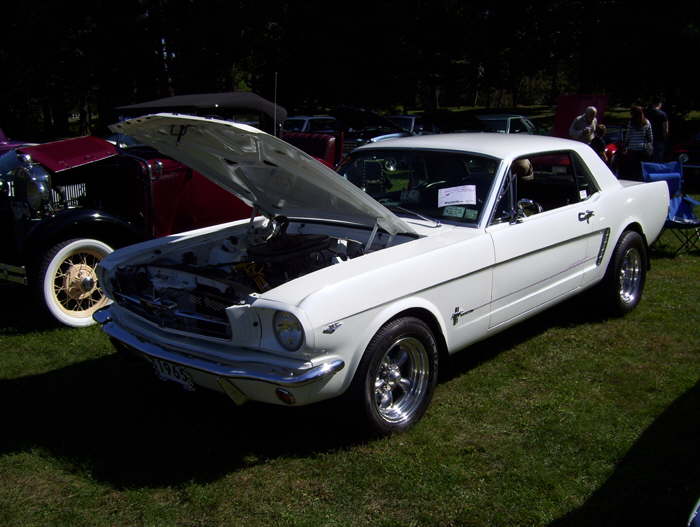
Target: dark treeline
<point>73,62</point>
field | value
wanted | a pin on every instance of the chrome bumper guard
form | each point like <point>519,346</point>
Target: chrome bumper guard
<point>280,376</point>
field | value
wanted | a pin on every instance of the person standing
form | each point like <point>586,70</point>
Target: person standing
<point>637,145</point>
<point>659,128</point>
<point>598,143</point>
<point>583,127</point>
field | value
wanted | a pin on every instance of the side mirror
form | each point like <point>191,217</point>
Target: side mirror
<point>527,207</point>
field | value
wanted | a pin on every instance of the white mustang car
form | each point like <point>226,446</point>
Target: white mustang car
<point>363,283</point>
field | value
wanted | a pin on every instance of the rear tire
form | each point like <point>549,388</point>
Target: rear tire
<point>66,281</point>
<point>623,284</point>
<point>395,380</point>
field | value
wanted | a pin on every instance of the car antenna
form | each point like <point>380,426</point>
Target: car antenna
<point>275,108</point>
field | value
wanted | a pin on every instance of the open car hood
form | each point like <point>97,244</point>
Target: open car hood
<point>262,170</point>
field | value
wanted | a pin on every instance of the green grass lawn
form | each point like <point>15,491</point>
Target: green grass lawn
<point>567,419</point>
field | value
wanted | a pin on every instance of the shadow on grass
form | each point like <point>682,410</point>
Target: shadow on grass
<point>658,481</point>
<point>580,309</point>
<point>112,419</point>
<point>18,314</point>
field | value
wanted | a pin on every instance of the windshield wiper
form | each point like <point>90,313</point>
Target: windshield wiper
<point>409,211</point>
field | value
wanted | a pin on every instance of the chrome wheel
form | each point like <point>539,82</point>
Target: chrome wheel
<point>623,284</point>
<point>396,377</point>
<point>402,380</point>
<point>630,276</point>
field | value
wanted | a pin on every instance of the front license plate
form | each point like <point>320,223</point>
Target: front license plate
<point>168,371</point>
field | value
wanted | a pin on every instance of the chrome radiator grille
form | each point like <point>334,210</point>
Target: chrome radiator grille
<point>68,195</point>
<point>166,314</point>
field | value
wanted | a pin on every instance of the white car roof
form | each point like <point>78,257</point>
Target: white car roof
<point>502,146</point>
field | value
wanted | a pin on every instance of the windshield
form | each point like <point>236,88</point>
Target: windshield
<point>441,185</point>
<point>496,125</point>
<point>322,125</point>
<point>294,125</point>
<point>404,122</point>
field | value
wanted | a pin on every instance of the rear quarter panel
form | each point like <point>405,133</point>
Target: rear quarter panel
<point>632,205</point>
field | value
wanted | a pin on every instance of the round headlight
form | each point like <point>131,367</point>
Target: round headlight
<point>288,330</point>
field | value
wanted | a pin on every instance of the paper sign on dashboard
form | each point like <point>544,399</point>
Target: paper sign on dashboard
<point>462,195</point>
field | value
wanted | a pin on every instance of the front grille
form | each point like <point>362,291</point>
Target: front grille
<point>166,315</point>
<point>68,196</point>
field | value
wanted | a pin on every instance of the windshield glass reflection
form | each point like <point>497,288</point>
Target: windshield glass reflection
<point>441,185</point>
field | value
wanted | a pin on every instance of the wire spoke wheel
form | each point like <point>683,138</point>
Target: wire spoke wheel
<point>68,280</point>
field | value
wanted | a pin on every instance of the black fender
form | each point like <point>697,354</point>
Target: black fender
<point>79,223</point>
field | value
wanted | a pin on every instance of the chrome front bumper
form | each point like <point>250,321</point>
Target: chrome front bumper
<point>284,377</point>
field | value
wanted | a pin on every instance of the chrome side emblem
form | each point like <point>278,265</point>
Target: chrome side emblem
<point>332,327</point>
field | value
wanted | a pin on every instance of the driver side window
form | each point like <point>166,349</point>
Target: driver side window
<point>543,182</point>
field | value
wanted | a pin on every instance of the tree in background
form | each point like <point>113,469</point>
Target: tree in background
<point>67,66</point>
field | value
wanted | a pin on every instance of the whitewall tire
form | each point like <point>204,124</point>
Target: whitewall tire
<point>66,281</point>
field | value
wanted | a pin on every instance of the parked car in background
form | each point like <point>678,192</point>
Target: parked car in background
<point>241,107</point>
<point>359,126</point>
<point>446,121</point>
<point>324,147</point>
<point>310,123</point>
<point>349,126</point>
<point>507,123</point>
<point>362,283</point>
<point>65,205</point>
<point>415,124</point>
<point>688,152</point>
<point>614,138</point>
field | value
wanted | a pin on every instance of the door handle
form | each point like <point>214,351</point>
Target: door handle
<point>585,216</point>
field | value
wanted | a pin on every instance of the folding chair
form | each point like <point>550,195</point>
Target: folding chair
<point>681,220</point>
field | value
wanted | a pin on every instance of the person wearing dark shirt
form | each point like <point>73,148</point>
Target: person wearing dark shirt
<point>598,142</point>
<point>659,127</point>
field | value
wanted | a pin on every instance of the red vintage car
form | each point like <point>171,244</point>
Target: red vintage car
<point>67,204</point>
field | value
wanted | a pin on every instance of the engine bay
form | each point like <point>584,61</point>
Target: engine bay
<point>199,283</point>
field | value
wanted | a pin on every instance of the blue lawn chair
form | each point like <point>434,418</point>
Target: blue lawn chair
<point>681,220</point>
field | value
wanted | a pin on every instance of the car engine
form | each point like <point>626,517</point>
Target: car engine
<point>191,292</point>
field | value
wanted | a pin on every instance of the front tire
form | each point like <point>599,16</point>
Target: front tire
<point>624,279</point>
<point>66,281</point>
<point>395,380</point>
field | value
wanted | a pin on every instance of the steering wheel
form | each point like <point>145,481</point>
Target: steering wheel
<point>430,185</point>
